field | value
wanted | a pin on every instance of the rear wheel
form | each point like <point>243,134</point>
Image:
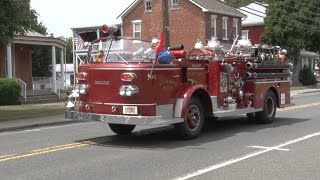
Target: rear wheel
<point>268,114</point>
<point>122,129</point>
<point>193,123</point>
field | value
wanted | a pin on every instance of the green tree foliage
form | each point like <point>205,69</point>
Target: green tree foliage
<point>293,25</point>
<point>69,50</point>
<point>36,25</point>
<point>306,76</point>
<point>15,18</point>
<point>41,61</point>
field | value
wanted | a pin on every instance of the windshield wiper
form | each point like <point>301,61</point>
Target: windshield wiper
<point>121,58</point>
<point>109,49</point>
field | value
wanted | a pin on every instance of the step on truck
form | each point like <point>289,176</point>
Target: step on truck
<point>128,86</point>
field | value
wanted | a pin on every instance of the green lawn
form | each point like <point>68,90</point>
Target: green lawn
<point>31,110</point>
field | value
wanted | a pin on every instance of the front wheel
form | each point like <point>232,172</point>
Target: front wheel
<point>267,115</point>
<point>122,129</point>
<point>194,120</point>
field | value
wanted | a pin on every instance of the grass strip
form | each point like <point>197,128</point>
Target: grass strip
<point>30,111</point>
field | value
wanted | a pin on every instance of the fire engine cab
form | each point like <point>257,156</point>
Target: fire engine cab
<point>128,87</point>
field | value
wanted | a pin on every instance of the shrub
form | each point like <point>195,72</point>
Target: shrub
<point>9,91</point>
<point>306,76</point>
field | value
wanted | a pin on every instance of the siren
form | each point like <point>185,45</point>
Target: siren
<point>105,29</point>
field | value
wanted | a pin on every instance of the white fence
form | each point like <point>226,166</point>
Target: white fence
<point>46,83</point>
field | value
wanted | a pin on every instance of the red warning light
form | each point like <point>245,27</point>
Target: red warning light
<point>105,29</point>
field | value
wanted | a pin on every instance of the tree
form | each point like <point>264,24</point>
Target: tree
<point>69,50</point>
<point>293,25</point>
<point>36,25</point>
<point>41,61</point>
<point>15,18</point>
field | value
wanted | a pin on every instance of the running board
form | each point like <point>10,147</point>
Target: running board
<point>237,112</point>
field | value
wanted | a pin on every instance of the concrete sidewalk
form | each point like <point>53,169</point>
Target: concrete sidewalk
<point>59,119</point>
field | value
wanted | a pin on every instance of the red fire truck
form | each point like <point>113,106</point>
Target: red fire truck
<point>129,87</point>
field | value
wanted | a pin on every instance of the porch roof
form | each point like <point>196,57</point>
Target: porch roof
<point>36,38</point>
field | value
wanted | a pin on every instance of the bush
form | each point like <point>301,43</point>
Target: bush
<point>9,91</point>
<point>306,76</point>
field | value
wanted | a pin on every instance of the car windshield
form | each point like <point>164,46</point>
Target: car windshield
<point>121,50</point>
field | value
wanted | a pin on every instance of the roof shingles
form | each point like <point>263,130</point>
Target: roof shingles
<point>216,6</point>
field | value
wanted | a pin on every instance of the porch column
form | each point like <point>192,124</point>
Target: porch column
<point>9,61</point>
<point>62,70</point>
<point>54,75</point>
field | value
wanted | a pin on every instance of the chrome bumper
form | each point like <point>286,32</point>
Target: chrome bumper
<point>122,119</point>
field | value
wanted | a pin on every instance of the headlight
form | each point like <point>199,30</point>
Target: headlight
<point>83,89</point>
<point>128,90</point>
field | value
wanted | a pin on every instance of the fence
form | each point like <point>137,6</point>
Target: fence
<point>46,83</point>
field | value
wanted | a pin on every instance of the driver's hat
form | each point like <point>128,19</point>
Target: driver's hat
<point>154,42</point>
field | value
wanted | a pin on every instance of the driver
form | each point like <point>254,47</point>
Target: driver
<point>164,55</point>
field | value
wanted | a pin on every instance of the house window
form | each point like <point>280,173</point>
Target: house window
<point>175,4</point>
<point>235,28</point>
<point>213,26</point>
<point>225,27</point>
<point>136,25</point>
<point>245,35</point>
<point>147,5</point>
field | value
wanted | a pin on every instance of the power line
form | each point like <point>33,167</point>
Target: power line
<point>266,6</point>
<point>296,16</point>
<point>302,25</point>
<point>306,18</point>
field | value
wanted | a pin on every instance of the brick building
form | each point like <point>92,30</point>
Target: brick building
<point>253,25</point>
<point>189,20</point>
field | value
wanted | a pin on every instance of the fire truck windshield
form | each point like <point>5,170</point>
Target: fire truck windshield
<point>121,50</point>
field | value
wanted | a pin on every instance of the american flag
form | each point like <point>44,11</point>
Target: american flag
<point>78,41</point>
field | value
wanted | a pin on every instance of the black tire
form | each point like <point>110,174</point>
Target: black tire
<point>194,120</point>
<point>251,117</point>
<point>268,114</point>
<point>122,129</point>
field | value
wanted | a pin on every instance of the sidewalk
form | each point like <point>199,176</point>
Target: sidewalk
<point>59,119</point>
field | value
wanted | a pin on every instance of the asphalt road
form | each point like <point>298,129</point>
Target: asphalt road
<point>229,149</point>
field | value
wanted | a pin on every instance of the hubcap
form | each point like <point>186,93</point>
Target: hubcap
<point>193,118</point>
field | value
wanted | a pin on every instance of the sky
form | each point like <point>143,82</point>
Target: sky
<point>61,15</point>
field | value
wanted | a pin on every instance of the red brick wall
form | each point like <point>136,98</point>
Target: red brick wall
<point>2,61</point>
<point>187,24</point>
<point>182,29</point>
<point>150,27</point>
<point>23,63</point>
<point>219,27</point>
<point>254,33</point>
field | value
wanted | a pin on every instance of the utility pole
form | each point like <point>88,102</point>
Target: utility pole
<point>165,25</point>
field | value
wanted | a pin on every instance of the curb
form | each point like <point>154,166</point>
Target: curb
<point>28,126</point>
<point>304,92</point>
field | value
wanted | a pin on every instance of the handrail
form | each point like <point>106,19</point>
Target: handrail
<point>58,91</point>
<point>23,88</point>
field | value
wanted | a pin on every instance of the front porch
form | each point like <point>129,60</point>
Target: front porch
<point>16,62</point>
